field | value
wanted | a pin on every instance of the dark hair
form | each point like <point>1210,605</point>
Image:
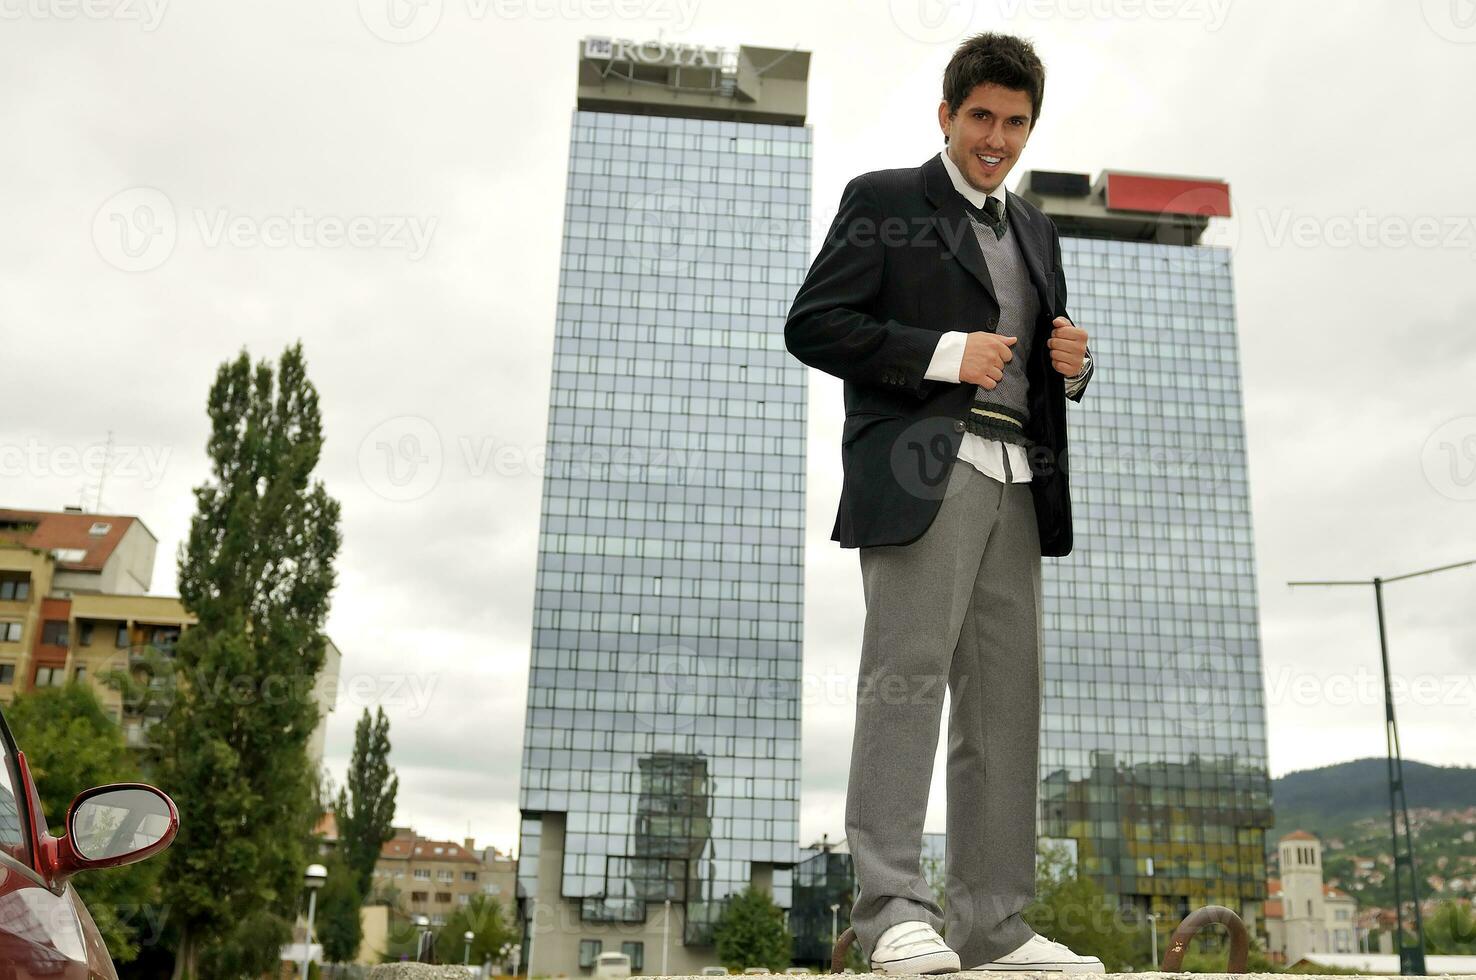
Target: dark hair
<point>1002,59</point>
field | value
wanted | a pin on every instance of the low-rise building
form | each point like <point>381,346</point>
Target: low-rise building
<point>75,605</point>
<point>1303,914</point>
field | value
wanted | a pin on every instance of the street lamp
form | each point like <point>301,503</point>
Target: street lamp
<point>1411,952</point>
<point>422,927</point>
<point>834,913</point>
<point>1153,930</point>
<point>313,879</point>
<point>665,936</point>
<point>468,936</point>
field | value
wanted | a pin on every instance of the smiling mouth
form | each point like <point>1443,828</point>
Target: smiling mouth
<point>990,162</point>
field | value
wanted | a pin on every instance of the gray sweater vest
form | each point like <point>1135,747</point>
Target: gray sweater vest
<point>1001,413</point>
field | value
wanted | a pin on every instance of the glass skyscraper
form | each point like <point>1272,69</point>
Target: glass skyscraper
<point>663,715</point>
<point>1153,742</point>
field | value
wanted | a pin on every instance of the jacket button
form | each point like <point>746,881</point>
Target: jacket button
<point>958,425</point>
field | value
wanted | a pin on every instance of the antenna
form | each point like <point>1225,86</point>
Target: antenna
<point>102,479</point>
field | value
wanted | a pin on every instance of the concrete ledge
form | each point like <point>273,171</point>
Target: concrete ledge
<point>422,971</point>
<point>1145,975</point>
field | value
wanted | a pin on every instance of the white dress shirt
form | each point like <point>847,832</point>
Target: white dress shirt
<point>985,455</point>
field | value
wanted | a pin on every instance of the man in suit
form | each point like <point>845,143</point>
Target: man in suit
<point>939,298</point>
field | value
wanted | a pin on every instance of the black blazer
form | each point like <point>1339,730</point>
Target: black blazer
<point>899,266</point>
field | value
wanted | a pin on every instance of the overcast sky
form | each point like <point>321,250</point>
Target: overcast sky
<point>387,184</point>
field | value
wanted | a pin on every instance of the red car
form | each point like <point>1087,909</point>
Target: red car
<point>45,930</point>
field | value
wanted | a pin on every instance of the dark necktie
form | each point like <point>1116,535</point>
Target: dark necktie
<point>991,214</point>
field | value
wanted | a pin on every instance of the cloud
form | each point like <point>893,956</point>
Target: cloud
<point>267,114</point>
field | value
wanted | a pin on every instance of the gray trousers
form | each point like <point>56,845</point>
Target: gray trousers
<point>959,607</point>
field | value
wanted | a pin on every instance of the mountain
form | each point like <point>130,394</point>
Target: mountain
<point>1328,800</point>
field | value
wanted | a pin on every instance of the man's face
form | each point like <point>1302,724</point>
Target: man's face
<point>992,125</point>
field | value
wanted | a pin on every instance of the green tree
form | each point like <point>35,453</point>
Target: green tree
<point>256,572</point>
<point>486,919</point>
<point>753,931</point>
<point>365,811</point>
<point>1073,910</point>
<point>146,685</point>
<point>336,923</point>
<point>72,745</point>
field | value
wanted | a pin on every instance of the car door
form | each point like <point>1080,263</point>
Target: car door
<point>42,934</point>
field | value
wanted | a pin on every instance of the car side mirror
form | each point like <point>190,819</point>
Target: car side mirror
<point>108,827</point>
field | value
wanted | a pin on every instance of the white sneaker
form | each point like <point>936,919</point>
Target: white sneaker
<point>1040,953</point>
<point>912,947</point>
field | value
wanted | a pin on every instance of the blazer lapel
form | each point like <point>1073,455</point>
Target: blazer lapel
<point>1035,245</point>
<point>952,223</point>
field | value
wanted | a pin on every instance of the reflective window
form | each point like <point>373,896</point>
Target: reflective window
<point>1153,743</point>
<point>664,687</point>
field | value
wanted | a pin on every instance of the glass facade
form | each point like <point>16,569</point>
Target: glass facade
<point>664,687</point>
<point>823,877</point>
<point>1153,741</point>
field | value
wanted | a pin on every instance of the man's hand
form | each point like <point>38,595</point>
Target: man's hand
<point>1068,346</point>
<point>984,358</point>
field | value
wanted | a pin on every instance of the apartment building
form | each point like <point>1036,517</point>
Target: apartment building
<point>421,876</point>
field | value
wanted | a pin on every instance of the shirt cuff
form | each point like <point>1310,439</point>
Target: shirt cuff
<point>947,357</point>
<point>1074,382</point>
